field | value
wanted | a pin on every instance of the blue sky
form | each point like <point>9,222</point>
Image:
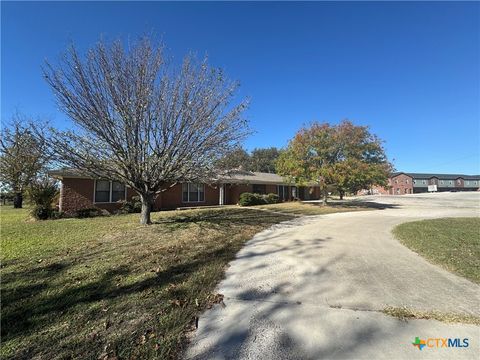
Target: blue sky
<point>408,70</point>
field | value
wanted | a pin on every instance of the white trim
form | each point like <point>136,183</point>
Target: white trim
<point>221,195</point>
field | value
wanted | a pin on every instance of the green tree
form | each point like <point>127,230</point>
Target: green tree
<point>264,159</point>
<point>238,158</point>
<point>346,156</point>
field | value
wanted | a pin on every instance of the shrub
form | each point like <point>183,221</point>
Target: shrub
<point>42,212</point>
<point>272,198</point>
<point>88,212</point>
<point>249,199</point>
<point>42,193</point>
<point>132,206</point>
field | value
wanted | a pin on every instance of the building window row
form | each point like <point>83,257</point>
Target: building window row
<point>444,182</point>
<point>450,182</point>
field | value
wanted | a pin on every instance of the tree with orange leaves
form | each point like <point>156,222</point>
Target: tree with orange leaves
<point>346,156</point>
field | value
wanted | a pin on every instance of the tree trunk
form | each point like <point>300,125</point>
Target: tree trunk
<point>147,204</point>
<point>341,194</point>
<point>18,200</point>
<point>324,197</point>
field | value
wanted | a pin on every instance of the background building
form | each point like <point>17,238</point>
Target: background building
<point>401,183</point>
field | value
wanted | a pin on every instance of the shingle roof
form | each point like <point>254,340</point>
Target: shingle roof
<point>68,173</point>
<point>232,176</point>
<point>242,176</point>
<point>439,176</point>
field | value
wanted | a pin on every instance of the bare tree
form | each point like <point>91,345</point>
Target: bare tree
<point>141,121</point>
<point>23,156</point>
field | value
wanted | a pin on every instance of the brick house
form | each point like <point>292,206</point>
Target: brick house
<point>82,192</point>
<point>401,183</point>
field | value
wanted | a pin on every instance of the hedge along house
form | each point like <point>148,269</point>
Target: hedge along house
<point>78,191</point>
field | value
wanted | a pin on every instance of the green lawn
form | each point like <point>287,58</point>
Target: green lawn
<point>107,287</point>
<point>453,243</point>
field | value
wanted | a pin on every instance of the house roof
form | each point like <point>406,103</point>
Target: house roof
<point>438,176</point>
<point>242,176</point>
<point>232,176</point>
<point>68,173</point>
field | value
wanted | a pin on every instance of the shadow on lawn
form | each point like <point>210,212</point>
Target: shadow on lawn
<point>50,314</point>
<point>358,204</point>
<point>37,299</point>
<point>226,218</point>
<point>44,307</point>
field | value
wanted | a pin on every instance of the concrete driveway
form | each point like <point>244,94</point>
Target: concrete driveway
<point>312,288</point>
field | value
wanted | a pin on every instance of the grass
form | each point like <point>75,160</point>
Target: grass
<point>107,287</point>
<point>404,313</point>
<point>302,208</point>
<point>453,243</point>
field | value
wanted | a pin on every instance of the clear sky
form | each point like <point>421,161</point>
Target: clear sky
<point>408,70</point>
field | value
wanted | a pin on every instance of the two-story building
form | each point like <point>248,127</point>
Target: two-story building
<point>401,183</point>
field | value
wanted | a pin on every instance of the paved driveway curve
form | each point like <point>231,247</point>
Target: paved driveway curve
<point>312,288</point>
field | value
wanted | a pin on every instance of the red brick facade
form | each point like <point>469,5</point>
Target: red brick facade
<point>78,193</point>
<point>400,185</point>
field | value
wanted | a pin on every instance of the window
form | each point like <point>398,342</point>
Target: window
<point>398,191</point>
<point>109,191</point>
<point>441,182</point>
<point>282,192</point>
<point>192,192</point>
<point>259,189</point>
<point>424,182</point>
<point>102,191</point>
<point>396,181</point>
<point>459,182</point>
<point>450,182</point>
<point>118,191</point>
<point>467,182</point>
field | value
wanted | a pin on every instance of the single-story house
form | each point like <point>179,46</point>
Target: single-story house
<point>82,192</point>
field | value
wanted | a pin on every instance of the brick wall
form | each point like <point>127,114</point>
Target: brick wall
<point>76,194</point>
<point>233,192</point>
<point>401,184</point>
<point>271,189</point>
<point>172,198</point>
